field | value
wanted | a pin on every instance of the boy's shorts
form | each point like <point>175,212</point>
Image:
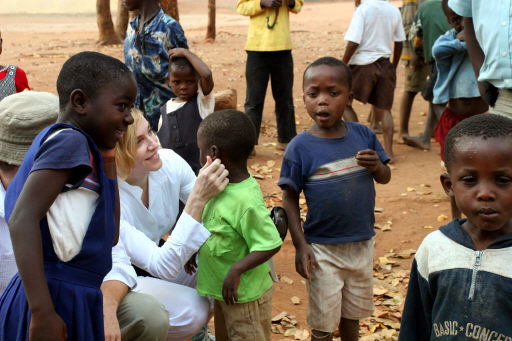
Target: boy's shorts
<point>415,77</point>
<point>251,321</point>
<point>503,105</point>
<point>342,285</point>
<point>374,83</point>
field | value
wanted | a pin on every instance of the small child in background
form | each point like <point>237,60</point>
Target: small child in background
<point>22,117</point>
<point>192,82</point>
<point>375,33</point>
<point>456,82</point>
<point>459,288</point>
<point>149,37</point>
<point>12,78</point>
<point>233,266</point>
<point>429,24</point>
<point>335,163</point>
<point>62,207</point>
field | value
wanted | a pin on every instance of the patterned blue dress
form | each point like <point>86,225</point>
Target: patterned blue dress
<point>74,285</point>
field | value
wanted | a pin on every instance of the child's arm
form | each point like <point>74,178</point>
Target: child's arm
<point>232,280</point>
<point>476,54</point>
<point>254,7</point>
<point>109,167</point>
<point>45,185</point>
<point>350,49</point>
<point>369,159</point>
<point>417,314</point>
<point>447,46</point>
<point>304,256</point>
<point>295,6</point>
<point>202,69</point>
<point>397,52</point>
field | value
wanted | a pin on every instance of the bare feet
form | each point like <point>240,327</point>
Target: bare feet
<point>401,136</point>
<point>281,145</point>
<point>376,127</point>
<point>417,142</point>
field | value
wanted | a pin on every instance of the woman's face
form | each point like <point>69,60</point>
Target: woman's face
<point>147,158</point>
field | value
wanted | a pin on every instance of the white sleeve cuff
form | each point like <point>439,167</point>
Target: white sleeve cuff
<point>186,238</point>
<point>122,270</point>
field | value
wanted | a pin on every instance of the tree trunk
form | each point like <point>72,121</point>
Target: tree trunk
<point>210,28</point>
<point>107,33</point>
<point>170,8</point>
<point>121,20</point>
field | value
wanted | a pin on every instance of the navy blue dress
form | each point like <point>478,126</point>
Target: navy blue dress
<point>74,285</point>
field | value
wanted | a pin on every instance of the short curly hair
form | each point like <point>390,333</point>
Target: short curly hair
<point>231,131</point>
<point>333,62</point>
<point>88,71</point>
<point>483,126</point>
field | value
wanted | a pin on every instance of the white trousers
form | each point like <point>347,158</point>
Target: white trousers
<point>188,311</point>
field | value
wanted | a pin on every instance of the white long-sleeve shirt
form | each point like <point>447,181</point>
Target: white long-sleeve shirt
<point>141,228</point>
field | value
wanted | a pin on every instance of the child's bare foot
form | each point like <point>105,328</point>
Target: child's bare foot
<point>416,142</point>
<point>376,127</point>
<point>401,136</point>
<point>281,145</point>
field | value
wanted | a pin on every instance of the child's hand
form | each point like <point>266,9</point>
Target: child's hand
<point>47,327</point>
<point>305,260</point>
<point>271,3</point>
<point>368,159</point>
<point>177,52</point>
<point>230,286</point>
<point>461,36</point>
<point>191,265</point>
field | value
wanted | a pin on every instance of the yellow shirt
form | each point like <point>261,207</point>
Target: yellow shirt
<point>262,38</point>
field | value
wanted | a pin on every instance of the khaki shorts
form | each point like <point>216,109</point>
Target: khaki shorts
<point>249,321</point>
<point>342,285</point>
<point>415,78</point>
<point>374,83</point>
<point>503,105</point>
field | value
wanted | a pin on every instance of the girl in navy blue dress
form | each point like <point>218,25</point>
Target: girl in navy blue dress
<point>63,207</point>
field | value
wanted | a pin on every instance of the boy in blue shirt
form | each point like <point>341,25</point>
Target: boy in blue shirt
<point>335,164</point>
<point>461,277</point>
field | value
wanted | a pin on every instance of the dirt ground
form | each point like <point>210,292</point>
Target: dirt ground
<point>409,206</point>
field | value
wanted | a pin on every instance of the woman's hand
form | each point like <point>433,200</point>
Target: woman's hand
<point>211,180</point>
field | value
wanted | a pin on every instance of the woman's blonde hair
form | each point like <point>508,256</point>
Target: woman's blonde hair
<point>126,152</point>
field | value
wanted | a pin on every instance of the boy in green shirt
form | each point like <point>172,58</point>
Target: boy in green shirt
<point>233,262</point>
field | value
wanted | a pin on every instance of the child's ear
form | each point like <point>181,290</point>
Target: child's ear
<point>214,152</point>
<point>446,181</point>
<point>79,101</point>
<point>350,98</point>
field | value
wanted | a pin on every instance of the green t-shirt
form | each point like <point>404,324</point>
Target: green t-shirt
<point>239,223</point>
<point>433,23</point>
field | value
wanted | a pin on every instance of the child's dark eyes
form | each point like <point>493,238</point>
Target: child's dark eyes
<point>123,106</point>
<point>503,180</point>
<point>334,93</point>
<point>312,94</point>
<point>468,179</point>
